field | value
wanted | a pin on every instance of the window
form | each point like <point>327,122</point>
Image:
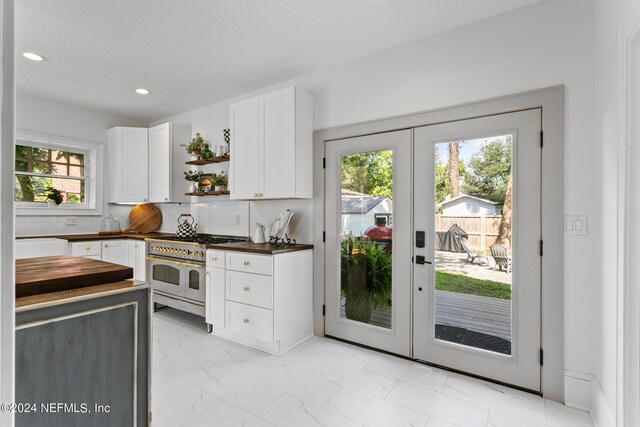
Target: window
<point>72,166</point>
<point>38,168</point>
<point>387,216</point>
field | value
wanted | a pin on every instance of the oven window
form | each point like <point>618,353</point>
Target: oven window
<point>194,279</point>
<point>166,274</point>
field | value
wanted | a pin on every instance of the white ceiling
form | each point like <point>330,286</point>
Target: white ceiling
<point>192,53</point>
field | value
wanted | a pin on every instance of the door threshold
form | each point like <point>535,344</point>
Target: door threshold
<point>444,368</point>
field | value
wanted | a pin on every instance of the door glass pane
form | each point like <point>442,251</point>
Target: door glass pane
<point>366,244</point>
<point>166,274</point>
<point>472,242</point>
<point>194,279</point>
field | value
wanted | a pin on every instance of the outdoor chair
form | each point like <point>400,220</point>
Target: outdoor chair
<point>501,257</point>
<point>471,254</point>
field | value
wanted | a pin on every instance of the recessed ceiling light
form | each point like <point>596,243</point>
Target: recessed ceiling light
<point>142,91</point>
<point>34,56</point>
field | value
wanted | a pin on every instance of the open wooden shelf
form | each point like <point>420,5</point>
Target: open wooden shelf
<point>208,161</point>
<point>208,193</point>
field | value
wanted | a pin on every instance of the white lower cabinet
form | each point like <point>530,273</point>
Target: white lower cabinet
<point>263,301</point>
<point>129,252</point>
<point>91,250</point>
<point>136,254</point>
<point>116,251</point>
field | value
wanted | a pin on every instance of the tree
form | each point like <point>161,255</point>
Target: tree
<point>454,169</point>
<point>368,173</point>
<point>504,229</point>
<point>488,171</point>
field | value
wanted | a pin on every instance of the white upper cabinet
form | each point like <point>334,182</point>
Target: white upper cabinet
<point>128,176</point>
<point>271,153</point>
<point>165,158</point>
<point>141,163</point>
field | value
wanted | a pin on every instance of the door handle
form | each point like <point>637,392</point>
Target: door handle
<point>420,260</point>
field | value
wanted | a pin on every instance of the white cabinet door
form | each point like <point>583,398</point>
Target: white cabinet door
<point>246,150</point>
<point>160,169</point>
<point>214,302</point>
<point>279,139</point>
<point>116,251</point>
<point>271,156</point>
<point>136,258</point>
<point>127,164</point>
<point>167,158</point>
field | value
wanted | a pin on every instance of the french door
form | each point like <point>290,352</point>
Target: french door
<point>368,220</point>
<point>476,291</point>
<point>432,244</point>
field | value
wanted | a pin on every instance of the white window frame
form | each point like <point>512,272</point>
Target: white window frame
<point>94,155</point>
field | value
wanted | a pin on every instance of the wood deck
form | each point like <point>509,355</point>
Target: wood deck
<point>491,316</point>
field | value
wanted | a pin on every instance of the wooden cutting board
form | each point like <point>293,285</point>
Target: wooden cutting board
<point>144,218</point>
<point>36,276</point>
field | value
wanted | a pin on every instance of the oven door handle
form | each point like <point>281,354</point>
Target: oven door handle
<point>185,264</point>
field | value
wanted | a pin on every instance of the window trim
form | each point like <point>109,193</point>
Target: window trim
<point>94,158</point>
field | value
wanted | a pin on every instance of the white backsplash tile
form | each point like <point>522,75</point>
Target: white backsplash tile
<point>301,226</point>
<point>226,217</point>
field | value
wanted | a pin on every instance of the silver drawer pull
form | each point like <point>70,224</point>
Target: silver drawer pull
<point>246,320</point>
<point>246,263</point>
<point>214,258</point>
<point>246,288</point>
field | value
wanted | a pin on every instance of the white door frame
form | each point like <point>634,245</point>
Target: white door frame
<point>551,100</point>
<point>7,268</point>
<point>628,201</point>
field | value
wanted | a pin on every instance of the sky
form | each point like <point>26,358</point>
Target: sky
<point>468,148</point>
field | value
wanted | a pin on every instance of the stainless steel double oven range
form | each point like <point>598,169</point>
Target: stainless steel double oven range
<point>176,270</point>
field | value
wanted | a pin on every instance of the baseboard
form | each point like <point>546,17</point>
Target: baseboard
<point>578,390</point>
<point>601,413</point>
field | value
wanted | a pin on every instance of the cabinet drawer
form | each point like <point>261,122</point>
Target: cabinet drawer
<point>249,321</point>
<point>86,248</point>
<point>250,288</point>
<point>215,259</point>
<point>259,264</point>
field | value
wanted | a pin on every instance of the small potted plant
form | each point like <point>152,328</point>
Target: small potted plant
<point>54,196</point>
<point>220,181</point>
<point>196,146</point>
<point>194,178</point>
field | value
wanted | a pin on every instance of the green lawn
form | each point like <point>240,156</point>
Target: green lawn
<point>468,285</point>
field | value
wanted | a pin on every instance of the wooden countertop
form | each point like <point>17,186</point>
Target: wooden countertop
<point>259,248</point>
<point>95,236</point>
<point>41,275</point>
<point>88,291</point>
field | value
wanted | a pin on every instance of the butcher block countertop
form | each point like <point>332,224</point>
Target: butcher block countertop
<point>35,276</point>
<point>88,291</point>
<point>88,237</point>
<point>259,248</point>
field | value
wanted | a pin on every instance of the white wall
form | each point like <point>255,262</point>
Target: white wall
<point>548,43</point>
<point>53,118</point>
<point>614,19</point>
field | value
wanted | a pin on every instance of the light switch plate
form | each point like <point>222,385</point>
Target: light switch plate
<point>575,225</point>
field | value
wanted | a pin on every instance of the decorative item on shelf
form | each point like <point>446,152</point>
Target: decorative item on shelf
<point>258,234</point>
<point>207,153</point>
<point>227,140</point>
<point>219,150</point>
<point>194,178</point>
<point>196,146</point>
<point>186,226</point>
<point>54,196</point>
<point>206,181</point>
<point>279,233</point>
<point>220,181</point>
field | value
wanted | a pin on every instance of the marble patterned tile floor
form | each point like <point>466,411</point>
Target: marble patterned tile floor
<point>202,380</point>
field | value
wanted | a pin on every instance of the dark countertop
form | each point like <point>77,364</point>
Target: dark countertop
<point>87,237</point>
<point>259,248</point>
